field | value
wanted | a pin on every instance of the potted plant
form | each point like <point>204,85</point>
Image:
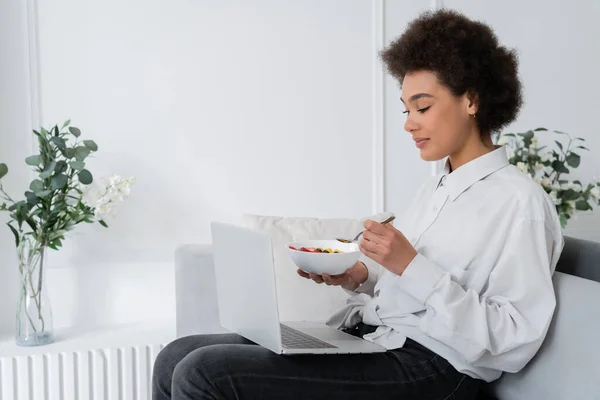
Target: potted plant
<point>59,198</point>
<point>550,167</point>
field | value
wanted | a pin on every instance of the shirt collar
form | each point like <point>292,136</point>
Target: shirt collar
<point>472,172</point>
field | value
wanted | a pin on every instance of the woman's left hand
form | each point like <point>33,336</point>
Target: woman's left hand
<point>387,246</point>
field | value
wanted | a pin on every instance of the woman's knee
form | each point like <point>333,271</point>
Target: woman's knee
<point>168,358</point>
<point>212,370</point>
<point>194,376</point>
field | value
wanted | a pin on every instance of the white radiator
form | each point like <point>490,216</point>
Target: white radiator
<point>122,373</point>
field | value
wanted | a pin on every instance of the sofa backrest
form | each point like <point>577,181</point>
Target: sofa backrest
<point>580,258</point>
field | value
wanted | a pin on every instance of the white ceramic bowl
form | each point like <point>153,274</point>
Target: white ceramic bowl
<point>324,263</point>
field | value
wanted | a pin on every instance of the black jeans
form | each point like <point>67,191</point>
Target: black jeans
<point>228,366</point>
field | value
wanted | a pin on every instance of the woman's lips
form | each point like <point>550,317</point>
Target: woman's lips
<point>420,143</point>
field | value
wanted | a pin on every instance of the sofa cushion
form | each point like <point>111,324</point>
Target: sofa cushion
<point>299,298</point>
<point>568,363</point>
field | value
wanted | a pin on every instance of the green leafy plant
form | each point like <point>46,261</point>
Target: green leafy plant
<point>54,204</point>
<point>550,167</point>
<point>58,199</point>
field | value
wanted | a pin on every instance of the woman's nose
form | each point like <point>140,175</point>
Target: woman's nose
<point>409,125</point>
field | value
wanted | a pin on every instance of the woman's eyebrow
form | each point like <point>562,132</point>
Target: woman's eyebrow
<point>417,96</point>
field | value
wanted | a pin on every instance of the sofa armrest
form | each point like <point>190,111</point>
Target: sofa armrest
<point>195,291</point>
<point>566,367</point>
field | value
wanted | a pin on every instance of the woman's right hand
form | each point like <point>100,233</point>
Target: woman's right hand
<point>350,280</point>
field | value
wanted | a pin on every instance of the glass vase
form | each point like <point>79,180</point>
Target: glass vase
<point>34,314</point>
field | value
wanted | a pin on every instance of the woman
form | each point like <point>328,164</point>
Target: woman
<point>466,289</point>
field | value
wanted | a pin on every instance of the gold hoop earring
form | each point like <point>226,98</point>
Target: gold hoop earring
<point>474,116</point>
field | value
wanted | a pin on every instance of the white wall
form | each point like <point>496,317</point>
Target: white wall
<point>15,117</point>
<point>559,58</point>
<point>218,108</point>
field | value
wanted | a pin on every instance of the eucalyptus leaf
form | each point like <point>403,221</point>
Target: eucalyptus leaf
<point>43,193</point>
<point>77,165</point>
<point>14,231</point>
<point>46,174</point>
<point>559,167</point>
<point>509,134</point>
<point>67,122</point>
<point>559,144</point>
<point>59,142</point>
<point>69,153</point>
<point>560,133</point>
<point>527,135</point>
<point>34,160</point>
<point>75,131</point>
<point>90,144</point>
<point>36,185</point>
<point>3,170</point>
<point>85,177</point>
<point>540,129</point>
<point>582,205</point>
<point>569,194</point>
<point>103,223</point>
<point>59,181</point>
<point>20,214</point>
<point>81,152</point>
<point>583,147</point>
<point>56,132</point>
<point>573,160</point>
<point>31,224</point>
<point>32,199</point>
<point>61,166</point>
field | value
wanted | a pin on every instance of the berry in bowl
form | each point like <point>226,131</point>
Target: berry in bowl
<point>324,256</point>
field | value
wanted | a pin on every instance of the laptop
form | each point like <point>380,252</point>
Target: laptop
<point>247,299</point>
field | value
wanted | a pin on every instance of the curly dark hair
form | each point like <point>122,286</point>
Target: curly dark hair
<point>466,57</point>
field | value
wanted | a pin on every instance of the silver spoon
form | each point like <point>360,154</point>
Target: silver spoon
<point>390,219</point>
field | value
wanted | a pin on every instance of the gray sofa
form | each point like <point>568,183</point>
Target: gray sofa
<point>566,367</point>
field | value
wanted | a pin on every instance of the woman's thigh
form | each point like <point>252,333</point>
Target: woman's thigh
<point>242,371</point>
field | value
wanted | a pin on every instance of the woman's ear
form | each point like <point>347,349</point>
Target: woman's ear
<point>472,102</point>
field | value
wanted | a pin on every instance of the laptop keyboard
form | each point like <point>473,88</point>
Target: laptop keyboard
<point>294,339</point>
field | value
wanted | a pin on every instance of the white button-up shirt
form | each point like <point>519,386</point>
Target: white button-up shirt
<point>479,293</point>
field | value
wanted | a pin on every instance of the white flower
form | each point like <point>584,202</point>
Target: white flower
<point>533,146</point>
<point>534,139</point>
<point>538,166</point>
<point>521,165</point>
<point>574,186</point>
<point>555,199</point>
<point>545,182</point>
<point>571,204</point>
<point>104,199</point>
<point>595,192</point>
<point>538,180</point>
<point>545,157</point>
<point>510,153</point>
<point>501,142</point>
